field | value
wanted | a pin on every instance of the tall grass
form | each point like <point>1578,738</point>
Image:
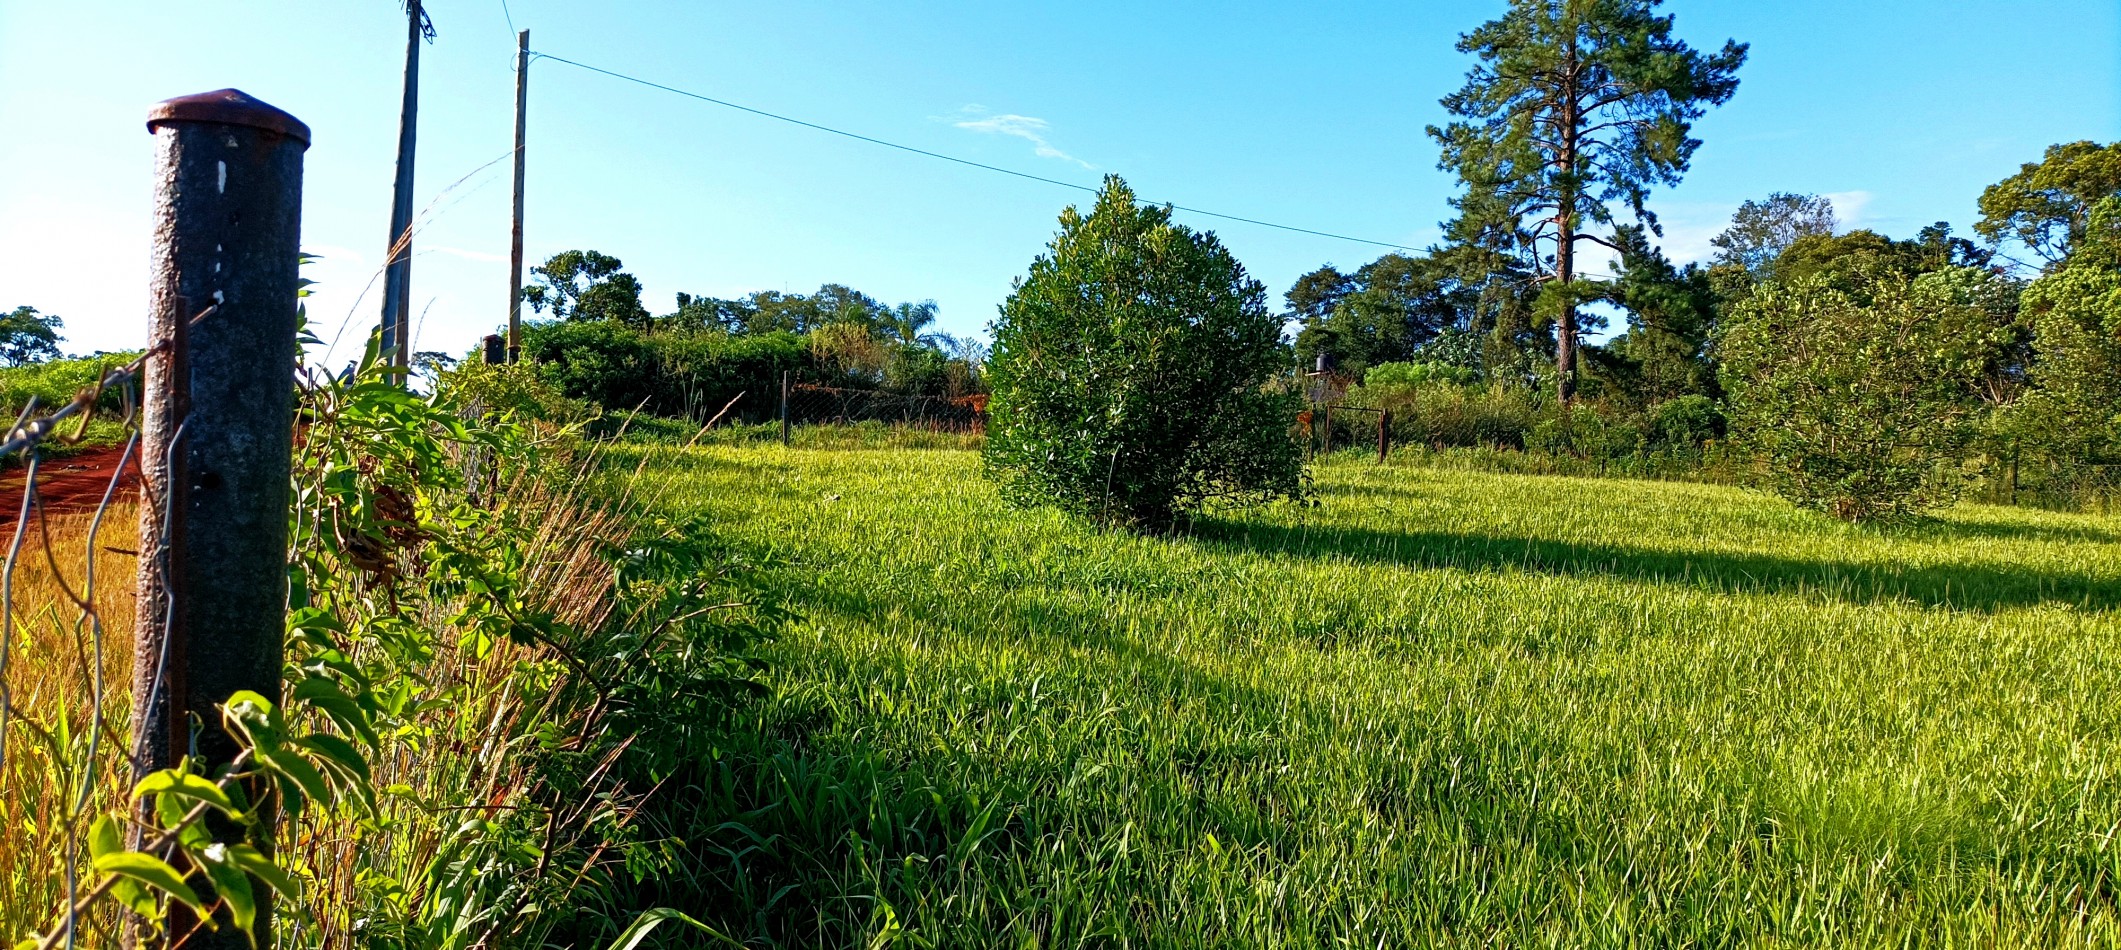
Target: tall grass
<point>51,677</point>
<point>436,866</point>
<point>1437,709</point>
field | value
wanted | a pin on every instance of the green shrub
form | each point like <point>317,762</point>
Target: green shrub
<point>1859,395</point>
<point>1585,431</point>
<point>513,388</point>
<point>56,382</point>
<point>694,375</point>
<point>1434,409</point>
<point>1688,422</point>
<point>1133,374</point>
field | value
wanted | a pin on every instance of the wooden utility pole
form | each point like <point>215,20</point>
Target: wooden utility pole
<point>397,273</point>
<point>515,236</point>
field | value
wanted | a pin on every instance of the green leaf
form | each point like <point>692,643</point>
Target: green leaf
<point>298,779</point>
<point>104,837</point>
<point>255,863</point>
<point>326,695</point>
<point>315,618</point>
<point>233,888</point>
<point>651,919</point>
<point>184,785</point>
<point>341,756</point>
<point>152,872</point>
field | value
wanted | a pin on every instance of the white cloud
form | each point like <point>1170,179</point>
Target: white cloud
<point>1029,128</point>
<point>1849,207</point>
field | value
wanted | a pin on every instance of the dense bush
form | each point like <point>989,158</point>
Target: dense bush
<point>1688,422</point>
<point>1416,374</point>
<point>55,382</point>
<point>616,366</point>
<point>1133,374</point>
<point>1859,391</point>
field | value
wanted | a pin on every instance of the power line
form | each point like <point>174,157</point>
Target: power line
<point>949,158</point>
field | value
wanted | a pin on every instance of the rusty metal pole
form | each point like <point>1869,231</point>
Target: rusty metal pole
<point>217,435</point>
<point>784,408</point>
<point>1384,422</point>
<point>515,238</point>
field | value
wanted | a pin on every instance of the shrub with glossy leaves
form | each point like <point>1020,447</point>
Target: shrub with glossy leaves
<point>1137,374</point>
<point>1861,400</point>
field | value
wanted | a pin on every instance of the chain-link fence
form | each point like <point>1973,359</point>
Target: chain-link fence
<point>809,404</point>
<point>70,513</point>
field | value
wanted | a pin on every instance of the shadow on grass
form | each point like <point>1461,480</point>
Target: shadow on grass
<point>1969,587</point>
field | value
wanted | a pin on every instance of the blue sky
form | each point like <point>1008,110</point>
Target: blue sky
<point>1309,114</point>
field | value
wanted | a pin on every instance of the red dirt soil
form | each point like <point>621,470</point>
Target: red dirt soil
<point>73,483</point>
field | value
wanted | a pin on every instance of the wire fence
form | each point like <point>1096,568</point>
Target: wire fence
<point>68,513</point>
<point>810,404</point>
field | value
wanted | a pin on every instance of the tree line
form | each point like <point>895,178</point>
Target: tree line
<point>1854,372</point>
<point>598,342</point>
<point>1862,374</point>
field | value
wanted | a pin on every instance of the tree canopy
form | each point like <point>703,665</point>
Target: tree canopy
<point>1761,230</point>
<point>586,285</point>
<point>27,336</point>
<point>2046,207</point>
<point>1574,106</point>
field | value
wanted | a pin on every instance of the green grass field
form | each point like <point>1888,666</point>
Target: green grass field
<point>1435,709</point>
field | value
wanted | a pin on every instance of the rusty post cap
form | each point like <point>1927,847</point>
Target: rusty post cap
<point>227,107</point>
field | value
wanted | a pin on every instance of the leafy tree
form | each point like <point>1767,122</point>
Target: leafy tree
<point>1387,311</point>
<point>1132,374</point>
<point>1515,340</point>
<point>431,365</point>
<point>1761,230</point>
<point>1314,295</point>
<point>1671,312</point>
<point>1861,402</point>
<point>2046,206</point>
<point>2074,312</point>
<point>1574,105</point>
<point>27,336</point>
<point>771,311</point>
<point>586,285</point>
<point>1843,258</point>
<point>909,323</point>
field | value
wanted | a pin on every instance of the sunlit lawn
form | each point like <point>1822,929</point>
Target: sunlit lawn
<point>1435,709</point>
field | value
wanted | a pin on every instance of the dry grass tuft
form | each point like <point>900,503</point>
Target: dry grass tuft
<point>53,655</point>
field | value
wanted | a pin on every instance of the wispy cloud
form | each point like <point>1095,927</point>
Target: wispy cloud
<point>1029,128</point>
<point>1849,208</point>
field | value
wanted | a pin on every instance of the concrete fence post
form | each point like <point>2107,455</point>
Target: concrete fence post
<point>216,436</point>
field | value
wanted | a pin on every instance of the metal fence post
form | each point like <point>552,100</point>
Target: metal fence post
<point>1384,438</point>
<point>784,408</point>
<point>217,436</point>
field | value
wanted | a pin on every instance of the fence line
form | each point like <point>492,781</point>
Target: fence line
<point>817,404</point>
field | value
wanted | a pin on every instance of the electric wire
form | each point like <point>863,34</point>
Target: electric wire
<point>951,158</point>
